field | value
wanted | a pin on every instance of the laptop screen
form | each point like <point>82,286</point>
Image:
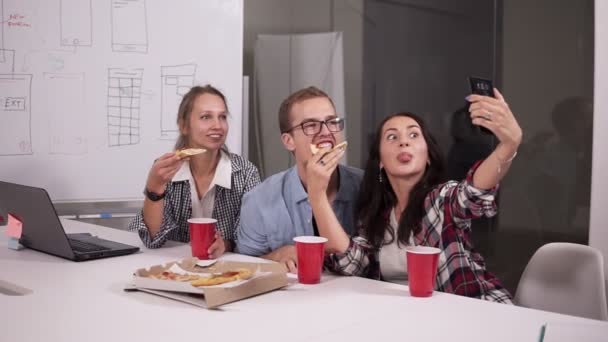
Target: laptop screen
<point>42,229</point>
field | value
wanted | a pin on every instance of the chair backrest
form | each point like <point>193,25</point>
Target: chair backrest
<point>566,278</point>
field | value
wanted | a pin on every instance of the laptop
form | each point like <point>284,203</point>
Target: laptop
<point>42,229</point>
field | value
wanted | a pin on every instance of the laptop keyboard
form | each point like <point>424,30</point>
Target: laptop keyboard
<point>81,246</point>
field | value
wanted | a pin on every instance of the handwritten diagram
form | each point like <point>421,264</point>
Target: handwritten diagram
<point>76,17</point>
<point>2,53</point>
<point>15,114</point>
<point>129,26</point>
<point>65,109</point>
<point>176,80</point>
<point>124,93</point>
<point>7,61</point>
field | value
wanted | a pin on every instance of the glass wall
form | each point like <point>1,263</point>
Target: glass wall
<point>417,55</point>
<point>547,69</point>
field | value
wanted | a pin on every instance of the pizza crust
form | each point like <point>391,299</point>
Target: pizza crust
<point>166,275</point>
<point>226,277</point>
<point>190,152</point>
<point>314,149</point>
<point>205,280</point>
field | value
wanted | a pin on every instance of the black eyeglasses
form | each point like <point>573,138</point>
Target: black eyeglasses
<point>312,127</point>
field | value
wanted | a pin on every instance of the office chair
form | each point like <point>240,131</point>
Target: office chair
<point>565,278</point>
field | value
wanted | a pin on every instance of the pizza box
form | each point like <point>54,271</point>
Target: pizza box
<point>266,277</point>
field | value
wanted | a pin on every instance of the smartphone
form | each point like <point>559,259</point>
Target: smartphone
<point>482,86</point>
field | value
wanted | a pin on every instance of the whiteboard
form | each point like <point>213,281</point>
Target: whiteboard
<point>89,89</point>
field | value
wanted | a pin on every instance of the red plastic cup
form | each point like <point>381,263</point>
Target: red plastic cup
<point>311,252</point>
<point>202,235</point>
<point>422,269</point>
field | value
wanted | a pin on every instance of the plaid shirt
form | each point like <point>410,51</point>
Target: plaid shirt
<point>178,206</point>
<point>447,225</point>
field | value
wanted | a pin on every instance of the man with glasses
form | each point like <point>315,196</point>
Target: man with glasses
<point>316,191</point>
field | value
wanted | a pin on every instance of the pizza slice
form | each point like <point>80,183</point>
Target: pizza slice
<point>166,275</point>
<point>190,152</point>
<point>314,149</point>
<point>222,278</point>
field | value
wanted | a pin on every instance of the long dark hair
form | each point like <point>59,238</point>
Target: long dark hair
<point>376,198</point>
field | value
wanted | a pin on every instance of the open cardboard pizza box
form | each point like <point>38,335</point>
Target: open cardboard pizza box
<point>266,277</point>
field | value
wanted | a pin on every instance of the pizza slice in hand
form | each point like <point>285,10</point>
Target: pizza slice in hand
<point>314,149</point>
<point>190,152</point>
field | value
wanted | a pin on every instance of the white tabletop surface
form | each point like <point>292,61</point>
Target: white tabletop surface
<point>85,302</point>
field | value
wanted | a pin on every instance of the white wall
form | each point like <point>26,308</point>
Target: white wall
<point>309,16</point>
<point>598,232</point>
<point>348,17</point>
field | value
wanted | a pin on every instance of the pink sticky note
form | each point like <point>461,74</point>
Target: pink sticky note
<point>14,227</point>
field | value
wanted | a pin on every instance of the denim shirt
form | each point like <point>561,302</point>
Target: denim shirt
<point>278,210</point>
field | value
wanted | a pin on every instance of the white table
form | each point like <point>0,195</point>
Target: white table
<point>86,302</point>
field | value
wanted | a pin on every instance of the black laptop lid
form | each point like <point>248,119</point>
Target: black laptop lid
<point>42,229</point>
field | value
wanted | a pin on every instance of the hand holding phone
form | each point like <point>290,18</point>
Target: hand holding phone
<point>484,87</point>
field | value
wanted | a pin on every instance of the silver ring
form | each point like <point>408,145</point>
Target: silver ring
<point>488,116</point>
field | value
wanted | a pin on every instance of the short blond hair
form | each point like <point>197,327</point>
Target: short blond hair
<point>299,96</point>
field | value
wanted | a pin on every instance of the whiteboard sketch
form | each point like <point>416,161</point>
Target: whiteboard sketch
<point>107,95</point>
<point>52,60</point>
<point>15,114</point>
<point>129,26</point>
<point>176,81</point>
<point>124,93</point>
<point>2,52</point>
<point>64,106</point>
<point>75,22</point>
<point>7,61</point>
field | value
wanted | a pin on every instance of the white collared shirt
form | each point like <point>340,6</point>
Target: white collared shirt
<point>203,207</point>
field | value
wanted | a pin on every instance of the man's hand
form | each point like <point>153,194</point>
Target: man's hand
<point>319,169</point>
<point>287,256</point>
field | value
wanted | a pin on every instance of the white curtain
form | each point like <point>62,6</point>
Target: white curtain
<point>284,64</point>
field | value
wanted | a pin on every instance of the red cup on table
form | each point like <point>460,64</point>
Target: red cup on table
<point>422,269</point>
<point>311,252</point>
<point>202,235</point>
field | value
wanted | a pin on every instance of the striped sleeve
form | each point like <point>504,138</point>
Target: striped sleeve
<point>356,261</point>
<point>176,211</point>
<point>465,201</point>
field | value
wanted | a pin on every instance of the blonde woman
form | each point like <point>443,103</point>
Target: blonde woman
<point>209,184</point>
